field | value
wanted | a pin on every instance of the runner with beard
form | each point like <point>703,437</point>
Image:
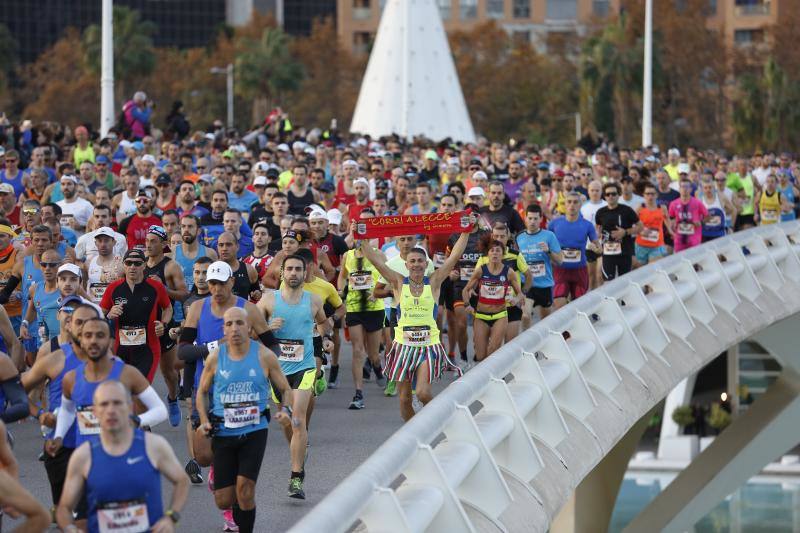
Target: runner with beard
<point>459,276</point>
<point>51,368</point>
<point>198,292</point>
<point>135,226</point>
<point>190,249</point>
<point>260,258</point>
<point>104,267</point>
<point>246,282</point>
<point>169,273</point>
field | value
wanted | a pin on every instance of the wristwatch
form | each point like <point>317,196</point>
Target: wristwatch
<point>175,516</point>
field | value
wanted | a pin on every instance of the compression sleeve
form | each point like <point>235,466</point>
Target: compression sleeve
<point>187,351</point>
<point>156,410</point>
<point>17,407</point>
<point>11,284</point>
<point>66,416</point>
<point>268,339</point>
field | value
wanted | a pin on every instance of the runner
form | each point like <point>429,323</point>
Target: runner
<point>541,250</point>
<point>86,247</point>
<point>417,353</point>
<point>237,378</point>
<point>122,453</point>
<point>104,267</point>
<point>169,273</point>
<point>139,308</point>
<point>588,211</point>
<point>246,283</point>
<point>491,282</point>
<point>653,217</point>
<point>687,214</point>
<point>459,276</point>
<point>293,312</point>
<point>260,258</point>
<point>714,224</point>
<point>770,203</point>
<point>14,496</point>
<point>40,322</point>
<point>617,224</point>
<point>135,226</point>
<point>191,249</point>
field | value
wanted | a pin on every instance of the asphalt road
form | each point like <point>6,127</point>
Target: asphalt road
<point>340,440</point>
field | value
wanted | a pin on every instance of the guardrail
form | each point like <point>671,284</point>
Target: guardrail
<point>504,447</point>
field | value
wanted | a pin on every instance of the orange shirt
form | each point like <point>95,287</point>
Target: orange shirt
<point>652,235</point>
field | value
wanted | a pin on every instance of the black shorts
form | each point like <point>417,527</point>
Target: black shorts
<point>541,296</point>
<point>615,266</point>
<point>370,320</point>
<point>591,256</point>
<point>742,220</point>
<point>514,314</point>
<point>239,455</point>
<point>446,294</point>
<point>318,347</point>
<point>391,320</point>
<point>142,359</point>
<point>167,343</point>
<point>56,468</point>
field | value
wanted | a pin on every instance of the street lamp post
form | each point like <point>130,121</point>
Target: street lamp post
<point>228,71</point>
<point>647,96</point>
<point>107,68</point>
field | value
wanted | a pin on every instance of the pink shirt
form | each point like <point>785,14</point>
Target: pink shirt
<point>688,218</point>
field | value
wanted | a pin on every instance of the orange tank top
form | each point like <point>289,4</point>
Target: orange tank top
<point>6,266</point>
<point>652,235</point>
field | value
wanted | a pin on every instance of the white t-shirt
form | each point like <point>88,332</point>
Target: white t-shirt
<point>86,248</point>
<point>634,203</point>
<point>760,174</point>
<point>81,209</point>
<point>589,209</point>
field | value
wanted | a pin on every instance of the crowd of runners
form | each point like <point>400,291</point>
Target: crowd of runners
<point>228,264</point>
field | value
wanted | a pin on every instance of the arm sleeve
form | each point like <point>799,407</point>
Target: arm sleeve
<point>65,418</point>
<point>11,284</point>
<point>156,410</point>
<point>268,339</point>
<point>187,350</point>
<point>17,407</point>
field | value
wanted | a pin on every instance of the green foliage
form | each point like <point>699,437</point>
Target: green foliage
<point>719,418</point>
<point>265,67</point>
<point>683,415</point>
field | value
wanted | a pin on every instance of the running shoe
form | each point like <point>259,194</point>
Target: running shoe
<point>174,409</point>
<point>416,404</point>
<point>357,403</point>
<point>296,488</point>
<point>333,384</point>
<point>230,524</point>
<point>380,381</point>
<point>194,472</point>
<point>391,389</point>
<point>320,385</point>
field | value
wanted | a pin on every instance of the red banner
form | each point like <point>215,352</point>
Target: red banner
<point>392,226</point>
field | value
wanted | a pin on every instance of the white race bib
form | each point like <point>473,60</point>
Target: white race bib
<point>65,220</point>
<point>685,228</point>
<point>650,235</point>
<point>239,415</point>
<point>466,272</point>
<point>87,421</point>
<point>714,220</point>
<point>292,351</point>
<point>438,259</point>
<point>537,269</point>
<point>132,336</point>
<point>769,215</point>
<point>96,291</point>
<point>361,280</point>
<point>571,255</point>
<point>416,335</point>
<point>612,248</point>
<point>123,517</point>
<point>492,290</point>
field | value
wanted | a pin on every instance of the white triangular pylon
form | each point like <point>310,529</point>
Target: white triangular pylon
<point>411,86</point>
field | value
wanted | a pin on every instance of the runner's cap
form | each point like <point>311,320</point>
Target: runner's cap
<point>219,271</point>
<point>157,231</point>
<point>476,191</point>
<point>105,231</point>
<point>315,212</point>
<point>334,216</point>
<point>70,301</point>
<point>69,267</point>
<point>134,253</point>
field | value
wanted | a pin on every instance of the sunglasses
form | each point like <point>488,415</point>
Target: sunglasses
<point>49,265</point>
<point>133,263</point>
<point>201,167</point>
<point>30,211</point>
<point>11,160</point>
<point>474,168</point>
<point>611,194</point>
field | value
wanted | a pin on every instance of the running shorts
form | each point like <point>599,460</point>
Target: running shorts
<point>238,455</point>
<point>370,320</point>
<point>572,282</point>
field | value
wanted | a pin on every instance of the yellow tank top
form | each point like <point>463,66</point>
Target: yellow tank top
<point>6,266</point>
<point>770,208</point>
<point>361,279</point>
<point>561,205</point>
<point>83,154</point>
<point>416,326</point>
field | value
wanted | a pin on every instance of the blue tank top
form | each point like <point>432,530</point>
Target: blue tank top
<point>54,391</point>
<point>83,396</point>
<point>56,195</point>
<point>714,226</point>
<point>187,264</point>
<point>30,273</point>
<point>15,182</point>
<point>295,338</point>
<point>209,329</point>
<point>788,193</point>
<point>46,304</point>
<point>240,393</point>
<point>123,492</point>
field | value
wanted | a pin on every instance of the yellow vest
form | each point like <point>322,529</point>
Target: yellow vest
<point>416,326</point>
<point>770,208</point>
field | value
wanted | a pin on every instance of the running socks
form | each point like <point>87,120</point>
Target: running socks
<point>334,372</point>
<point>246,520</point>
<point>378,371</point>
<point>464,355</point>
<point>300,475</point>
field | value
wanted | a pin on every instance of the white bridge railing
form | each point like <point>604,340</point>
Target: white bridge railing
<point>503,448</point>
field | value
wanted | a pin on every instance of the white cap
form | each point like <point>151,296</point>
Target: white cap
<point>683,168</point>
<point>149,158</point>
<point>259,180</point>
<point>476,191</point>
<point>299,145</point>
<point>453,162</point>
<point>674,151</point>
<point>480,174</point>
<point>69,177</point>
<point>219,271</point>
<point>105,231</point>
<point>210,136</point>
<point>69,267</point>
<point>315,212</point>
<point>361,180</point>
<point>261,166</point>
<point>283,147</point>
<point>334,216</point>
<point>361,141</point>
<point>349,163</point>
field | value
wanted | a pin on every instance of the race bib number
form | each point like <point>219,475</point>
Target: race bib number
<point>571,255</point>
<point>650,235</point>
<point>361,280</point>
<point>65,220</point>
<point>438,259</point>
<point>537,269</point>
<point>132,336</point>
<point>87,421</point>
<point>612,248</point>
<point>685,228</point>
<point>714,220</point>
<point>96,291</point>
<point>123,517</point>
<point>292,351</point>
<point>239,415</point>
<point>492,290</point>
<point>770,215</point>
<point>416,335</point>
<point>466,272</point>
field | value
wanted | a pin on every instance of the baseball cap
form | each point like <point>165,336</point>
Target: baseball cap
<point>219,271</point>
<point>101,159</point>
<point>105,231</point>
<point>158,231</point>
<point>143,194</point>
<point>431,154</point>
<point>147,157</point>
<point>69,267</point>
<point>315,212</point>
<point>326,187</point>
<point>361,180</point>
<point>283,147</point>
<point>208,178</point>
<point>260,181</point>
<point>334,216</point>
<point>543,166</point>
<point>134,253</point>
<point>273,173</point>
<point>138,146</point>
<point>6,188</point>
<point>683,168</point>
<point>163,178</point>
<point>261,166</point>
<point>349,163</point>
<point>674,151</point>
<point>70,302</point>
<point>476,191</point>
<point>69,177</point>
<point>479,174</point>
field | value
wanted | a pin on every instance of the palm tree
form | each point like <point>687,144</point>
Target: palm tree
<point>265,69</point>
<point>134,55</point>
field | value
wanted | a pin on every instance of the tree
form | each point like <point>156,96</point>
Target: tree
<point>265,70</point>
<point>9,57</point>
<point>134,55</point>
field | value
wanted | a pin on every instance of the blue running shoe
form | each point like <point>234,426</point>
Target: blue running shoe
<point>174,409</point>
